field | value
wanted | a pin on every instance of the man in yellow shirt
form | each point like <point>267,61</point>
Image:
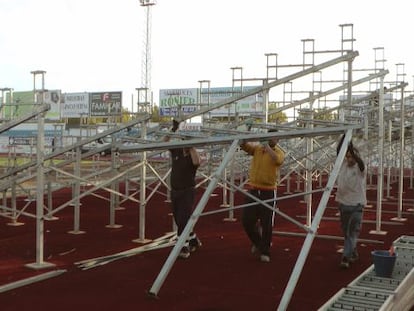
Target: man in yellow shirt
<point>263,177</point>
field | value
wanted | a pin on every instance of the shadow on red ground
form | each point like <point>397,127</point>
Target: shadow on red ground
<point>221,276</point>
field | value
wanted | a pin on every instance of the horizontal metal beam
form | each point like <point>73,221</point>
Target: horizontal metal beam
<point>223,140</point>
<point>90,139</point>
<point>31,280</point>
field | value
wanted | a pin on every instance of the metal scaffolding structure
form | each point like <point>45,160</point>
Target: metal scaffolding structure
<point>323,97</point>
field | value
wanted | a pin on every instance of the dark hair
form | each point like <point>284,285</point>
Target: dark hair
<point>355,154</point>
<point>353,151</point>
<point>340,144</point>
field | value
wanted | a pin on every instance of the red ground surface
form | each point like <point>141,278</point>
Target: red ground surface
<point>221,276</point>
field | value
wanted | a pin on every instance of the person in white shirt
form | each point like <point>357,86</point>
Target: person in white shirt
<point>351,196</point>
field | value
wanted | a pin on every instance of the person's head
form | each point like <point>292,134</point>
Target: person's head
<point>351,154</point>
<point>54,97</point>
<point>272,140</point>
<point>175,125</point>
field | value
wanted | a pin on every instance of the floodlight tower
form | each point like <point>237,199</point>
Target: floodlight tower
<point>145,97</point>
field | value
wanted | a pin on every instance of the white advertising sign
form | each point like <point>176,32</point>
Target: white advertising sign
<point>249,105</point>
<point>187,100</point>
<point>173,99</point>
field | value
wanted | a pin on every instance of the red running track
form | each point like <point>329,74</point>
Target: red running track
<point>221,276</point>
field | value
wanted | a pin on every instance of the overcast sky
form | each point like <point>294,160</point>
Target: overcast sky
<point>96,45</point>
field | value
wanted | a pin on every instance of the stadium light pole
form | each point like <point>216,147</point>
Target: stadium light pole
<point>146,55</point>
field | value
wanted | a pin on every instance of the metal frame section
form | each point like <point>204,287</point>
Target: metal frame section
<point>76,180</point>
<point>310,235</point>
<point>347,57</point>
<point>13,173</point>
<point>21,174</point>
<point>311,230</point>
<point>202,142</point>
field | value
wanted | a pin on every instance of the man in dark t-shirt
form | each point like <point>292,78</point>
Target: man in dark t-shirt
<point>184,164</point>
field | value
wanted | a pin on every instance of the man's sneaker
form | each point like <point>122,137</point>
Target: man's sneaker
<point>194,244</point>
<point>185,253</point>
<point>354,257</point>
<point>344,263</point>
<point>254,250</point>
<point>264,258</point>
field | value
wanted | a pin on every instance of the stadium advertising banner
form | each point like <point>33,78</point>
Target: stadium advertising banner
<point>19,104</point>
<point>171,100</point>
<point>187,99</point>
<point>75,105</point>
<point>246,106</point>
<point>105,104</point>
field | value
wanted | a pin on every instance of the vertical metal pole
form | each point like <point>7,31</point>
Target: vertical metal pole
<point>224,194</point>
<point>231,198</point>
<point>380,173</point>
<point>266,102</point>
<point>114,197</point>
<point>402,147</point>
<point>389,159</point>
<point>50,201</point>
<point>308,172</point>
<point>14,214</point>
<point>4,200</point>
<point>143,186</point>
<point>40,263</point>
<point>40,185</point>
<point>412,155</point>
<point>76,193</point>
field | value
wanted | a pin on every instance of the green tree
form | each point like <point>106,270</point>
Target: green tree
<point>155,116</point>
